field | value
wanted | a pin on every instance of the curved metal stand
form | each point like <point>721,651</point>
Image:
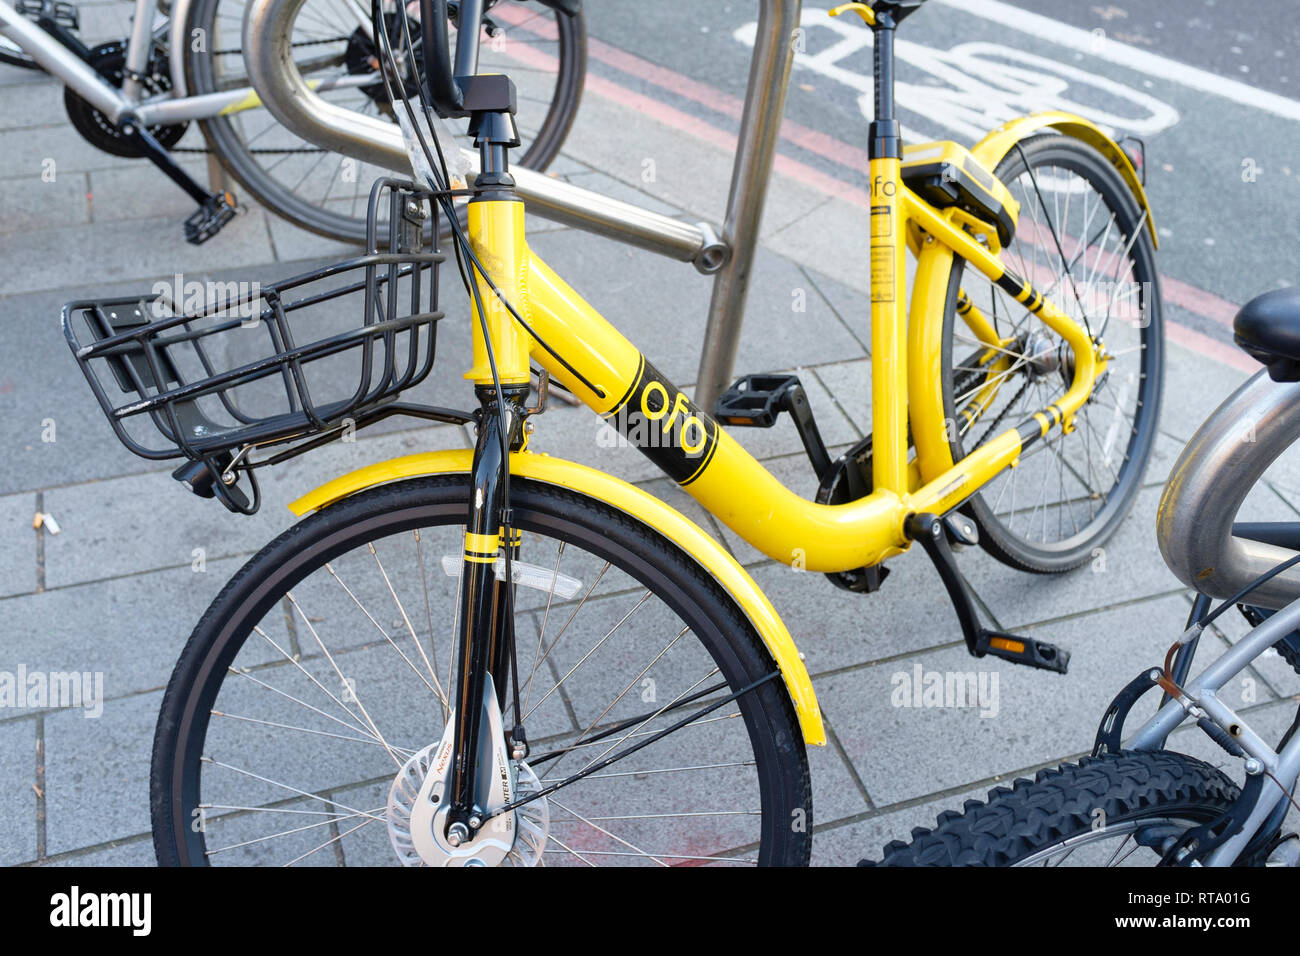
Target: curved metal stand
<point>268,57</point>
<point>1218,468</point>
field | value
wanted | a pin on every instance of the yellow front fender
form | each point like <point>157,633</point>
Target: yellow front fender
<point>998,143</point>
<point>640,505</point>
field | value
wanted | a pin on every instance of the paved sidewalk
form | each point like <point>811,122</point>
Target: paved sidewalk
<point>114,592</point>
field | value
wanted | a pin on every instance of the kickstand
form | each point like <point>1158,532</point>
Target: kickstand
<point>932,532</point>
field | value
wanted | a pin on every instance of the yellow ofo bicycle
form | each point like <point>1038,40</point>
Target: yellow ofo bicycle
<point>493,656</point>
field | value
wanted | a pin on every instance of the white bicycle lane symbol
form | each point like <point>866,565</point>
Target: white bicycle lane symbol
<point>974,86</point>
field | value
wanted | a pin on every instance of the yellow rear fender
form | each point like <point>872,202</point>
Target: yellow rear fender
<point>630,500</point>
<point>993,147</point>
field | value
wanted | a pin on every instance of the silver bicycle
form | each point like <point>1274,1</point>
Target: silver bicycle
<point>1136,803</point>
<point>183,62</point>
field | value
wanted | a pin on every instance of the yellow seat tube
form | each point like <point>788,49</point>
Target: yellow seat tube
<point>888,329</point>
<point>496,234</point>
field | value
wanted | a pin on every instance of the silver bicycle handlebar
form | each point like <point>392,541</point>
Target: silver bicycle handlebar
<point>268,57</point>
<point>1218,468</point>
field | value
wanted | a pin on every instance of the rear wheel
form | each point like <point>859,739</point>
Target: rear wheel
<point>1084,244</point>
<point>544,52</point>
<point>299,720</point>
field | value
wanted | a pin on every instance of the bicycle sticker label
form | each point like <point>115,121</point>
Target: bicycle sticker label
<point>882,222</point>
<point>882,273</point>
<point>665,425</point>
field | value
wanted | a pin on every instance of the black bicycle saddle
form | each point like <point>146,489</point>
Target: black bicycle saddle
<point>1268,329</point>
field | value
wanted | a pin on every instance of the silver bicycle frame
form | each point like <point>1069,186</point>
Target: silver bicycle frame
<point>1218,468</point>
<point>166,109</point>
<point>1201,699</point>
<point>270,65</point>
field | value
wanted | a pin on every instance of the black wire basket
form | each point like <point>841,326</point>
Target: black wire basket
<point>246,366</point>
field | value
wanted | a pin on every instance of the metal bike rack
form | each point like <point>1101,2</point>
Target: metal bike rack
<point>729,257</point>
<point>1216,471</point>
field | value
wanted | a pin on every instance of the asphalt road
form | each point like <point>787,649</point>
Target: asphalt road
<point>1206,85</point>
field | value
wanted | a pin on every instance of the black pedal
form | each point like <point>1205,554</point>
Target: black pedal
<point>757,401</point>
<point>933,534</point>
<point>208,220</point>
<point>1022,650</point>
<point>53,11</point>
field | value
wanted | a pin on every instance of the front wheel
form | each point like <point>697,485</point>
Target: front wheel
<point>1120,809</point>
<point>302,713</point>
<point>1083,243</point>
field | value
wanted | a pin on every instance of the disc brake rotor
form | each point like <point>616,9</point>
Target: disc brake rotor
<point>419,802</point>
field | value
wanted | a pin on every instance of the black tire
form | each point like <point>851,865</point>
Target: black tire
<point>437,505</point>
<point>1020,823</point>
<point>241,159</point>
<point>1141,372</point>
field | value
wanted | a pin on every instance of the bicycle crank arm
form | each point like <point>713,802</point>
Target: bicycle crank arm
<point>933,533</point>
<point>215,209</point>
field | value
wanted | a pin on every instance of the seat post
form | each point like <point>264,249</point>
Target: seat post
<point>886,137</point>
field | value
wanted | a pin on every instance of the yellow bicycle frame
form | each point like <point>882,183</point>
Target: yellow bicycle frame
<point>610,375</point>
<point>714,468</point>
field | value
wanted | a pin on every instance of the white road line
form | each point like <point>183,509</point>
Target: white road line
<point>1122,54</point>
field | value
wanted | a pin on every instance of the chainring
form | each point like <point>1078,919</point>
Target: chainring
<point>109,60</point>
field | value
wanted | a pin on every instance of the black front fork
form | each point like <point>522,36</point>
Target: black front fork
<point>486,634</point>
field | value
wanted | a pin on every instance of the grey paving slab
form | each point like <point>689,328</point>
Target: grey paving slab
<point>28,155</point>
<point>835,788</point>
<point>1194,386</point>
<point>621,190</point>
<point>903,751</point>
<point>130,629</point>
<point>41,105</point>
<point>846,844</point>
<point>1163,457</point>
<point>578,434</point>
<point>127,249</point>
<point>849,384</point>
<point>117,193</point>
<point>851,305</point>
<point>18,552</point>
<point>695,181</point>
<point>17,76</point>
<point>1128,567</point>
<point>110,526</point>
<point>835,628</point>
<point>107,757</point>
<point>17,790</point>
<point>290,242</point>
<point>564,165</point>
<point>833,238</point>
<point>137,852</point>
<point>30,204</point>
